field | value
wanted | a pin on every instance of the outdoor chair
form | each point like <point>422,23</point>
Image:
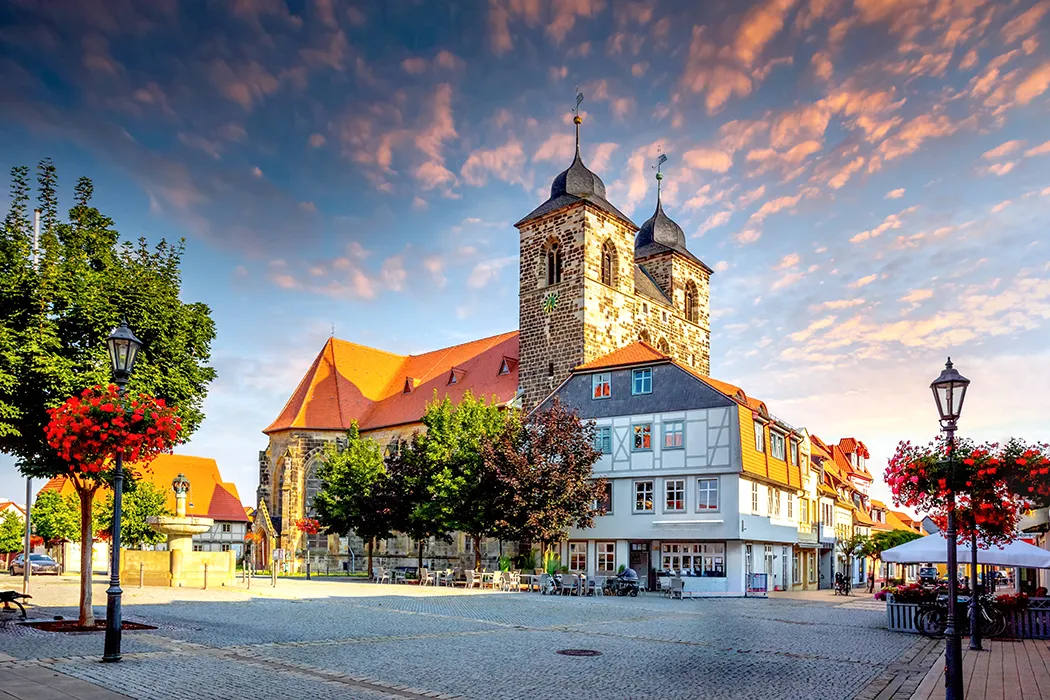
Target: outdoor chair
<point>599,585</point>
<point>515,582</point>
<point>496,580</point>
<point>446,578</point>
<point>381,575</point>
<point>675,587</point>
<point>425,577</point>
<point>568,583</point>
<point>473,579</point>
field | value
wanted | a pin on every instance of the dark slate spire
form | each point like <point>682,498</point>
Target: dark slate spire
<point>575,184</point>
<point>660,234</point>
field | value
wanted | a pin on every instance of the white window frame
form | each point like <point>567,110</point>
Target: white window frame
<point>791,506</point>
<point>609,486</point>
<point>634,435</point>
<point>652,496</point>
<point>776,445</point>
<point>754,497</point>
<point>577,554</point>
<point>679,488</point>
<point>760,437</point>
<point>701,502</point>
<point>642,381</point>
<point>794,452</point>
<point>226,527</point>
<point>605,554</point>
<point>674,428</point>
<point>601,386</point>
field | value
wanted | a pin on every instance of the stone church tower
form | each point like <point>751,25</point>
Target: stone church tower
<point>592,282</point>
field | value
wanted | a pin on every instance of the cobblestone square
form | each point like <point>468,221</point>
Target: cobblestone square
<point>340,639</point>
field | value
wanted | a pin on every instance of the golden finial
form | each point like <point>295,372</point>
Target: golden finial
<point>577,119</point>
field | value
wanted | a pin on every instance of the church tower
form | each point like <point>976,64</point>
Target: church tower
<point>588,285</point>
<point>576,293</point>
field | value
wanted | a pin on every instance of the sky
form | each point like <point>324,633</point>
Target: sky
<point>869,179</point>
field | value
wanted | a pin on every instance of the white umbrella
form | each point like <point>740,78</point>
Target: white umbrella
<point>933,549</point>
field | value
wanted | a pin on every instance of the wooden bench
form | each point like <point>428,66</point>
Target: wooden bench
<point>9,597</point>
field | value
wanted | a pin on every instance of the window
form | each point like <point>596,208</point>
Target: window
<point>811,566</point>
<point>707,494</point>
<point>606,556</point>
<point>644,336</point>
<point>226,527</point>
<point>198,548</point>
<point>773,498</point>
<point>504,367</point>
<point>550,369</point>
<point>452,379</point>
<point>643,436</point>
<point>643,381</point>
<point>791,506</point>
<point>601,385</point>
<point>754,498</point>
<point>673,434</point>
<point>577,556</point>
<point>224,548</point>
<point>794,566</point>
<point>693,558</point>
<point>663,347</point>
<point>603,439</point>
<point>605,504</point>
<point>608,264</point>
<point>674,495</point>
<point>663,316</point>
<point>643,497</point>
<point>760,442</point>
<point>794,452</point>
<point>553,263</point>
<point>776,445</point>
<point>803,510</point>
<point>690,302</point>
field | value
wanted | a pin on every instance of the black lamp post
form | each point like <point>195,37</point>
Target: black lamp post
<point>123,350</point>
<point>949,391</point>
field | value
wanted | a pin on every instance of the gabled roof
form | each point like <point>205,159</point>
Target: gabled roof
<point>12,506</point>
<point>645,285</point>
<point>349,382</point>
<point>208,497</point>
<point>637,353</point>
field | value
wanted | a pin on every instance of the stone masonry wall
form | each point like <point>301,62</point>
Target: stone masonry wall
<point>689,343</point>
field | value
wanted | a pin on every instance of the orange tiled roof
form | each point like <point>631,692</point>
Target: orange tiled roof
<point>209,496</point>
<point>634,354</point>
<point>901,521</point>
<point>349,382</point>
<point>5,505</point>
<point>862,518</point>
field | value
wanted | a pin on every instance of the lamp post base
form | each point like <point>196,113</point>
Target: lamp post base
<point>111,651</point>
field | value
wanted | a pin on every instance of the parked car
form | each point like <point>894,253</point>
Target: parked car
<point>40,563</point>
<point>928,575</point>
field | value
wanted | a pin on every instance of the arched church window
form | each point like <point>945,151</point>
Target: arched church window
<point>553,263</point>
<point>313,487</point>
<point>691,314</point>
<point>663,347</point>
<point>608,264</point>
<point>644,336</point>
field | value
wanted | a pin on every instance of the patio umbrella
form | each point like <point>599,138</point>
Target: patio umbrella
<point>933,549</point>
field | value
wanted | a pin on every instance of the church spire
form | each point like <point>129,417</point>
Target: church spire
<point>577,119</point>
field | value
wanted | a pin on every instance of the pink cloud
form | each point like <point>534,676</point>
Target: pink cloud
<point>1002,150</point>
<point>1034,85</point>
<point>708,159</point>
<point>566,12</point>
<point>1025,23</point>
<point>506,162</point>
<point>558,147</point>
<point>1040,150</point>
<point>893,221</point>
<point>895,194</point>
<point>414,65</point>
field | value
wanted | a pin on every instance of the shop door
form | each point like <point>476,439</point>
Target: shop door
<point>640,561</point>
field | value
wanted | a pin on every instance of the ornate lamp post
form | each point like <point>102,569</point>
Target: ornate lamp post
<point>123,350</point>
<point>949,391</point>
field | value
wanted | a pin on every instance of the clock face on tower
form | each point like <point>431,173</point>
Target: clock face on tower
<point>550,302</point>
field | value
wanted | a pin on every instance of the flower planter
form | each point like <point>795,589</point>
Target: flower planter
<point>900,617</point>
<point>1030,623</point>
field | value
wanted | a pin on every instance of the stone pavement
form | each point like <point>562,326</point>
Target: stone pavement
<point>30,681</point>
<point>339,639</point>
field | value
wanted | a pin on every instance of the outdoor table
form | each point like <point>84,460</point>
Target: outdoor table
<point>532,580</point>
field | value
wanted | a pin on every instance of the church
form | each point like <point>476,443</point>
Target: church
<point>591,282</point>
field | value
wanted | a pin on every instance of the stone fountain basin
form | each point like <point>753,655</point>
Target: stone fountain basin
<point>180,526</point>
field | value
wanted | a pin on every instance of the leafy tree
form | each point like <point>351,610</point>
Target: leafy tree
<point>12,530</point>
<point>466,493</point>
<point>56,518</point>
<point>883,540</point>
<point>141,500</point>
<point>413,484</point>
<point>852,547</point>
<point>355,494</point>
<point>56,315</point>
<point>544,469</point>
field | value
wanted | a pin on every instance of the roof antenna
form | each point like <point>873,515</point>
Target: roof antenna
<point>659,175</point>
<point>333,330</point>
<point>577,119</point>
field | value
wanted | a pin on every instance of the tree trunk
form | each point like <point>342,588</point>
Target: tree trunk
<point>419,560</point>
<point>371,542</point>
<point>87,615</point>
<point>477,553</point>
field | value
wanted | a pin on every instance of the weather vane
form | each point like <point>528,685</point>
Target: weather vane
<point>577,120</point>
<point>659,175</point>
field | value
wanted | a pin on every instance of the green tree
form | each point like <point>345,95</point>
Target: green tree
<point>883,540</point>
<point>544,470</point>
<point>141,500</point>
<point>56,518</point>
<point>355,494</point>
<point>466,494</point>
<point>12,530</point>
<point>852,547</point>
<point>55,316</point>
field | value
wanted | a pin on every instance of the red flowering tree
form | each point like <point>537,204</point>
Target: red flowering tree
<point>1028,471</point>
<point>87,432</point>
<point>308,526</point>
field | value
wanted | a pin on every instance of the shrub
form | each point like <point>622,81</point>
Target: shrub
<point>910,593</point>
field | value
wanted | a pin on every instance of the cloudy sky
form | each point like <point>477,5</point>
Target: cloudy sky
<point>870,179</point>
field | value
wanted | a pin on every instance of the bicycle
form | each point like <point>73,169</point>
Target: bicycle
<point>931,620</point>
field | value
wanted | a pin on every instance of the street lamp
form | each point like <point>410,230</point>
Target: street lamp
<point>949,391</point>
<point>123,351</point>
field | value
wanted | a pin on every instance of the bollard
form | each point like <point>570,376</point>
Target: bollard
<point>273,575</point>
<point>205,576</point>
<point>307,569</point>
<point>142,572</point>
<point>249,581</point>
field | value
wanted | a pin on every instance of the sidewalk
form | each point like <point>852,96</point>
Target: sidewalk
<point>1005,670</point>
<point>29,681</point>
